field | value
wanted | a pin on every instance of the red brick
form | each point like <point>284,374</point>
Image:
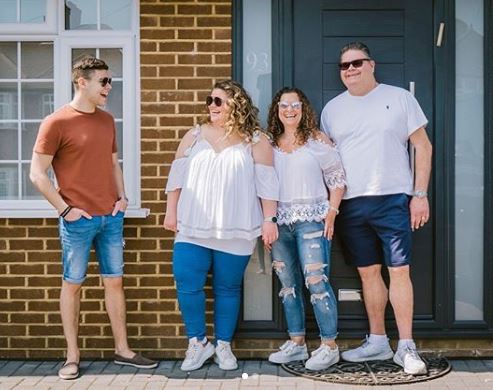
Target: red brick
<point>157,34</point>
<point>158,108</point>
<point>222,33</point>
<point>174,47</point>
<point>195,9</point>
<point>213,46</point>
<point>159,59</point>
<point>26,244</point>
<point>176,71</point>
<point>12,330</point>
<point>195,34</point>
<point>210,21</point>
<point>176,96</point>
<point>194,84</point>
<point>9,231</point>
<point>12,257</point>
<point>146,46</point>
<point>177,21</point>
<point>158,84</point>
<point>27,342</point>
<point>12,281</point>
<point>216,71</point>
<point>149,21</point>
<point>222,9</point>
<point>157,9</point>
<point>176,121</point>
<point>26,269</point>
<point>194,59</point>
<point>42,232</point>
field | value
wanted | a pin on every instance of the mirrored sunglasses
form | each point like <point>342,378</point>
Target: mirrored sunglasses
<point>217,100</point>
<point>354,63</point>
<point>286,105</point>
<point>104,81</point>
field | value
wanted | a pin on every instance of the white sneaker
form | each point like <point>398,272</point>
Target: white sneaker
<point>322,358</point>
<point>196,355</point>
<point>408,358</point>
<point>224,356</point>
<point>368,351</point>
<point>289,352</point>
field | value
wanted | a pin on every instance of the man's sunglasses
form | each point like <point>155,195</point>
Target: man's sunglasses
<point>355,63</point>
<point>104,81</point>
<point>217,100</point>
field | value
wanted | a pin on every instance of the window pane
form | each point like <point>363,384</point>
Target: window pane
<point>113,57</point>
<point>29,192</point>
<point>9,11</point>
<point>8,60</point>
<point>37,100</point>
<point>8,141</point>
<point>8,101</point>
<point>81,15</point>
<point>257,291</point>
<point>37,60</point>
<point>9,188</point>
<point>28,137</point>
<point>469,160</point>
<point>116,15</point>
<point>119,139</point>
<point>33,11</point>
<point>115,100</point>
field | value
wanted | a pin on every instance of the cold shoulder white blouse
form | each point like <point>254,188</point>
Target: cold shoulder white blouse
<point>219,205</point>
<point>303,176</point>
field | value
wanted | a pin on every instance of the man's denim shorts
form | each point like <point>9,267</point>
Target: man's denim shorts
<point>77,238</point>
<point>376,230</point>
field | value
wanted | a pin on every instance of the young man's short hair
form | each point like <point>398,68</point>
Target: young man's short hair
<point>85,67</point>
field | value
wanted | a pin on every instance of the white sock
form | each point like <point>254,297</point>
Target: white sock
<point>378,339</point>
<point>403,342</point>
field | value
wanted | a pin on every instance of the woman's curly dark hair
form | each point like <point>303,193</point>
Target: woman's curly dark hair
<point>308,126</point>
<point>243,118</point>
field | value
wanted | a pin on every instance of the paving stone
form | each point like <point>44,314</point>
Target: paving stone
<point>10,368</point>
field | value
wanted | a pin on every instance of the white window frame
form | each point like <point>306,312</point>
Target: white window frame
<point>63,43</point>
<point>48,27</point>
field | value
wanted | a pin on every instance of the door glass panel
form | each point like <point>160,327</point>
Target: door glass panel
<point>37,100</point>
<point>9,187</point>
<point>33,11</point>
<point>77,54</point>
<point>81,14</point>
<point>8,60</point>
<point>8,141</point>
<point>113,57</point>
<point>9,11</point>
<point>257,80</point>
<point>116,14</point>
<point>115,102</point>
<point>469,160</point>
<point>119,138</point>
<point>257,54</point>
<point>37,60</point>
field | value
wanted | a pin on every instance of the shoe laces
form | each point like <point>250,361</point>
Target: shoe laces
<point>288,346</point>
<point>411,350</point>
<point>224,349</point>
<point>366,342</point>
<point>322,349</point>
<point>193,349</point>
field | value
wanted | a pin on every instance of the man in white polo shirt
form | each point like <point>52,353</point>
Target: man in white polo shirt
<point>371,123</point>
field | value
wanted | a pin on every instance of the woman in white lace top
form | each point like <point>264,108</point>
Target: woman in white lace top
<point>312,183</point>
<point>222,194</point>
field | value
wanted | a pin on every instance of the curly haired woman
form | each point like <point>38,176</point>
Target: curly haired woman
<point>222,194</point>
<point>307,164</point>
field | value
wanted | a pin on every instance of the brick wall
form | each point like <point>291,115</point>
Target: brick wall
<point>185,46</point>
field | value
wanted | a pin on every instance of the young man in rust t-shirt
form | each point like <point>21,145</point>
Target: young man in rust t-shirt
<point>79,142</point>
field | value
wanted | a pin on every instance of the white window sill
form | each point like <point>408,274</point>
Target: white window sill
<point>50,213</point>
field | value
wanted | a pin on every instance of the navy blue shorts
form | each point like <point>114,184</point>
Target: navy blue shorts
<point>376,230</point>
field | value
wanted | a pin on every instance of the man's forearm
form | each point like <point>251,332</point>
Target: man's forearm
<point>43,183</point>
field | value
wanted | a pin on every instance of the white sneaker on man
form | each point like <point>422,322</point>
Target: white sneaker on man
<point>408,358</point>
<point>196,355</point>
<point>368,351</point>
<point>289,352</point>
<point>225,358</point>
<point>322,358</point>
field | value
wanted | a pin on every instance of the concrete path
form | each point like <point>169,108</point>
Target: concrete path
<point>41,375</point>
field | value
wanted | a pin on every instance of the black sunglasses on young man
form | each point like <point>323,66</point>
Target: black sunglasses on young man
<point>217,100</point>
<point>355,63</point>
<point>104,81</point>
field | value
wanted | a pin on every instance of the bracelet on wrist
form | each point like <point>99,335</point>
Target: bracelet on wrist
<point>66,211</point>
<point>334,209</point>
<point>420,194</point>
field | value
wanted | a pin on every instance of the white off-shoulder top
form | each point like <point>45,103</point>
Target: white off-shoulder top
<point>219,205</point>
<point>304,176</point>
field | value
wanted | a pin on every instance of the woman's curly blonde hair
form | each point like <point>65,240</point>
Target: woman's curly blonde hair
<point>307,128</point>
<point>243,118</point>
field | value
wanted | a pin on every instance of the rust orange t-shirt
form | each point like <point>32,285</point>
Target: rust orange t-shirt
<point>82,145</point>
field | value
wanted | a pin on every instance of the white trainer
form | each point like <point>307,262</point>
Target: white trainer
<point>196,355</point>
<point>289,352</point>
<point>368,351</point>
<point>225,358</point>
<point>322,358</point>
<point>408,358</point>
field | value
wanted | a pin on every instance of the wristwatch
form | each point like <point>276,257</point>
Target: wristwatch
<point>270,219</point>
<point>420,194</point>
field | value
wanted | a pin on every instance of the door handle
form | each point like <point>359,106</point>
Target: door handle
<point>411,149</point>
<point>440,34</point>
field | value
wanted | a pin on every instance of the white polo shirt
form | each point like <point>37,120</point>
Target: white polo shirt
<point>371,133</point>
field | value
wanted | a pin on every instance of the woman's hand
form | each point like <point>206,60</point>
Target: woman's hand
<point>170,222</point>
<point>269,233</point>
<point>329,224</point>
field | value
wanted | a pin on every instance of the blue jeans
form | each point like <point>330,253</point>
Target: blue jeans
<point>302,254</point>
<point>191,263</point>
<point>78,237</point>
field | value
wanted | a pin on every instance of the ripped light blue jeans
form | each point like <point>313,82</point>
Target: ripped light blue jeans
<point>301,256</point>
